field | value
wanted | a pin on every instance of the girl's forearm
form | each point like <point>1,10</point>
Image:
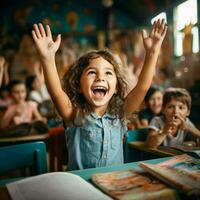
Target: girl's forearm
<point>144,82</point>
<point>155,140</point>
<point>59,97</point>
<point>52,80</point>
<point>148,70</point>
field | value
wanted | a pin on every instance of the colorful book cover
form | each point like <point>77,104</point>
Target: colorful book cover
<point>181,172</point>
<point>191,150</point>
<point>132,185</point>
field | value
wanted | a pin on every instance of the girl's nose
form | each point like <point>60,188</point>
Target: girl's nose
<point>100,78</point>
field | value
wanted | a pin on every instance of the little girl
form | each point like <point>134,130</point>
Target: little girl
<point>153,103</point>
<point>20,111</point>
<point>93,105</point>
<point>174,127</point>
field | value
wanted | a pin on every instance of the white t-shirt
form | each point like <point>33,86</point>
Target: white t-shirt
<point>157,124</point>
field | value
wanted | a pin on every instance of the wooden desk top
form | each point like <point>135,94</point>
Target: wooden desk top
<point>4,195</point>
<point>160,151</point>
<point>27,138</point>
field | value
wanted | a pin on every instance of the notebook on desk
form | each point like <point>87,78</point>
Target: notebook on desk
<point>57,185</point>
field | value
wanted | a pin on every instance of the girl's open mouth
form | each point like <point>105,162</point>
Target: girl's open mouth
<point>99,91</point>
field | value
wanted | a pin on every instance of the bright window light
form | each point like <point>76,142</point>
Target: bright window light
<point>195,45</point>
<point>185,14</point>
<point>178,44</point>
<point>162,15</point>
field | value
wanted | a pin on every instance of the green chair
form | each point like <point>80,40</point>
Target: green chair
<point>28,156</point>
<point>131,155</point>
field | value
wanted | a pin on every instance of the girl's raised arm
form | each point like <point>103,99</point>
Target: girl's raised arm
<point>47,49</point>
<point>2,62</point>
<point>152,44</point>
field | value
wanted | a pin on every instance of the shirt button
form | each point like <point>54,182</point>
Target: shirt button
<point>104,156</point>
<point>105,142</point>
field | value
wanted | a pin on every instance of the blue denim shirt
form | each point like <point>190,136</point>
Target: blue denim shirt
<point>97,143</point>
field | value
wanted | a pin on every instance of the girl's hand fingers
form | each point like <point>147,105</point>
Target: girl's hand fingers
<point>158,25</point>
<point>37,31</point>
<point>34,36</point>
<point>164,30</point>
<point>144,34</point>
<point>48,31</point>
<point>153,29</point>
<point>42,31</point>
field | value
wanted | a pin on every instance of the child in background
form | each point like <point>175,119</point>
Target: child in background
<point>20,111</point>
<point>93,105</point>
<point>174,127</point>
<point>34,89</point>
<point>153,106</point>
<point>153,102</point>
<point>4,76</point>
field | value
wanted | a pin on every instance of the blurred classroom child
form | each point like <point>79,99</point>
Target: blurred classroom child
<point>174,127</point>
<point>21,110</point>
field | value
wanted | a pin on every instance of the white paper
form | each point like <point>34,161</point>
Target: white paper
<point>54,186</point>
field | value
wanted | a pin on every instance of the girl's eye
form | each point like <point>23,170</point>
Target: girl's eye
<point>109,73</point>
<point>91,72</point>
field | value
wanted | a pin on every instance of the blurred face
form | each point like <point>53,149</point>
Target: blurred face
<point>98,83</point>
<point>18,93</point>
<point>36,84</point>
<point>175,110</point>
<point>155,102</point>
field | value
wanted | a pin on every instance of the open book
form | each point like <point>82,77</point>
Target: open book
<point>52,186</point>
<point>132,185</point>
<point>191,150</point>
<point>181,172</point>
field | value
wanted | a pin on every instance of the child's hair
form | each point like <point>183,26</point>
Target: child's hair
<point>29,82</point>
<point>179,94</point>
<point>14,83</point>
<point>72,84</point>
<point>152,90</point>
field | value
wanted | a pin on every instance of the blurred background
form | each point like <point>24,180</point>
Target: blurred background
<point>114,24</point>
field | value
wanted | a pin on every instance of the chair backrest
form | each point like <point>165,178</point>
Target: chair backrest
<point>133,135</point>
<point>21,156</point>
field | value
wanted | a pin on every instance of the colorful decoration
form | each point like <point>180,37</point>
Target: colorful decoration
<point>72,19</point>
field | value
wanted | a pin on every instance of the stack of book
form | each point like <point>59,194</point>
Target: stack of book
<point>167,180</point>
<point>181,172</point>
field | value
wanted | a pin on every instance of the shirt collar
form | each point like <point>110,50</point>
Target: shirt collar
<point>106,115</point>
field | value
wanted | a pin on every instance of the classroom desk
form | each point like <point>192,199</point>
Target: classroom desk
<point>159,151</point>
<point>87,173</point>
<point>21,139</point>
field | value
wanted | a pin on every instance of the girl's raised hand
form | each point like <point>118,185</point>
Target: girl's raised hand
<point>154,40</point>
<point>44,42</point>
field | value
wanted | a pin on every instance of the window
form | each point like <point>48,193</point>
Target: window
<point>160,16</point>
<point>185,15</point>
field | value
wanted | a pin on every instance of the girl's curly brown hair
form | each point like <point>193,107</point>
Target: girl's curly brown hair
<point>72,85</point>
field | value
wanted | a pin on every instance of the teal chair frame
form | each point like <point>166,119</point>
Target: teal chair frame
<point>131,155</point>
<point>21,156</point>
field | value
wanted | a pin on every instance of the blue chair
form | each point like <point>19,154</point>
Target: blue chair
<point>30,156</point>
<point>131,155</point>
